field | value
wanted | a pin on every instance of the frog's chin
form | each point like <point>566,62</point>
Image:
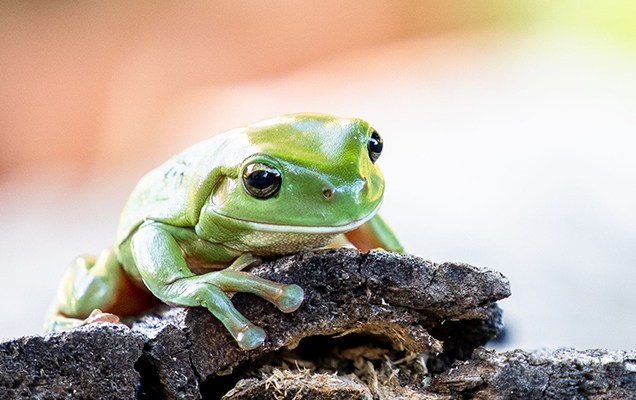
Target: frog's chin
<point>332,229</point>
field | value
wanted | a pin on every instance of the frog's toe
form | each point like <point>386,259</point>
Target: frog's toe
<point>251,337</point>
<point>99,316</point>
<point>291,298</point>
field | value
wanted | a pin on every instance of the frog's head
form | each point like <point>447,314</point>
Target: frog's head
<point>300,173</point>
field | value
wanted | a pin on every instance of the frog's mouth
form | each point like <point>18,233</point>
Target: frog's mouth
<point>333,229</point>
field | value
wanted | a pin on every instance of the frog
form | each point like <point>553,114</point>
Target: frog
<point>194,226</point>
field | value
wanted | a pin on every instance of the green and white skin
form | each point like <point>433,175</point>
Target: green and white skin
<point>192,225</point>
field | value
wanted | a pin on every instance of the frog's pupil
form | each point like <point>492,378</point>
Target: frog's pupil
<point>375,146</point>
<point>261,179</point>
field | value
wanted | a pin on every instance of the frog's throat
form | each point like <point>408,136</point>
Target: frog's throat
<point>333,229</point>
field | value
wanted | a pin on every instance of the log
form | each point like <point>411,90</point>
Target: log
<point>365,315</point>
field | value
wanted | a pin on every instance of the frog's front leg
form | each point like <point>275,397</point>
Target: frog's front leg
<point>162,267</point>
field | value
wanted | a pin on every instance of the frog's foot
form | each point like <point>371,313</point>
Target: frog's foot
<point>210,291</point>
<point>58,322</point>
<point>99,316</point>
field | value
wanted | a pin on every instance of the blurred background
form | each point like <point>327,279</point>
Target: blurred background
<point>509,133</point>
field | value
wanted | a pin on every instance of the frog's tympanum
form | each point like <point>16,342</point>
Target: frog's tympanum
<point>193,224</point>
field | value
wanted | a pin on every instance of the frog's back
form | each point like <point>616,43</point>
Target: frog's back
<point>175,191</point>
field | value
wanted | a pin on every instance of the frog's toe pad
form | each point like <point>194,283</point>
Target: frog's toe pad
<point>251,337</point>
<point>291,298</point>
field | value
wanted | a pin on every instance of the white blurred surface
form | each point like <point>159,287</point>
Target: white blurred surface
<point>512,153</point>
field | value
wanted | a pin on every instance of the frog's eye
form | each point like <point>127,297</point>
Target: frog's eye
<point>375,145</point>
<point>261,180</point>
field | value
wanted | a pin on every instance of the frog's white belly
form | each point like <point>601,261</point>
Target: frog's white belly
<point>270,240</point>
<point>270,244</point>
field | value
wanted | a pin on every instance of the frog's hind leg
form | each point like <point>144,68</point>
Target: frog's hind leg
<point>374,234</point>
<point>95,290</point>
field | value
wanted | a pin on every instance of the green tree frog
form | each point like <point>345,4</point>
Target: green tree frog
<point>193,224</point>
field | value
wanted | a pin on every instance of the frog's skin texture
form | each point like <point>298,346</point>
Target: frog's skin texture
<point>191,225</point>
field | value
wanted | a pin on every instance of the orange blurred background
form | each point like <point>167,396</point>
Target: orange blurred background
<point>92,82</point>
<point>508,128</point>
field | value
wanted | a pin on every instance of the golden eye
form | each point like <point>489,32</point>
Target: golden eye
<point>261,180</point>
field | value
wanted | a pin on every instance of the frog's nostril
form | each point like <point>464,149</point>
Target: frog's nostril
<point>327,193</point>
